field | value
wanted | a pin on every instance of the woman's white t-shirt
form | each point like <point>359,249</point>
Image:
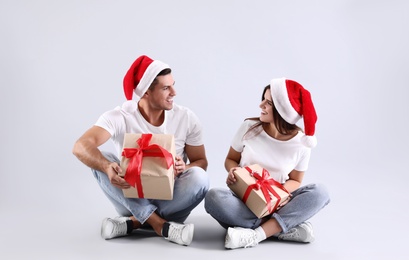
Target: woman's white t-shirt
<point>179,121</point>
<point>279,158</point>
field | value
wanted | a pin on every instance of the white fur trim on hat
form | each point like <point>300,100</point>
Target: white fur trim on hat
<point>281,101</point>
<point>309,141</point>
<point>130,106</point>
<point>148,76</point>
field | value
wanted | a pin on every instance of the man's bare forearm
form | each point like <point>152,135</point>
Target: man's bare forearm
<point>202,163</point>
<point>90,156</point>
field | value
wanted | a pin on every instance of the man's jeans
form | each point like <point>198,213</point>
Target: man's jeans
<point>190,189</point>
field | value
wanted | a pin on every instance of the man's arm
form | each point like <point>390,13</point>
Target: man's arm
<point>86,150</point>
<point>196,156</point>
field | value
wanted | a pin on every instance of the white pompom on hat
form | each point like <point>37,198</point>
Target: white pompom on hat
<point>294,102</point>
<point>138,79</point>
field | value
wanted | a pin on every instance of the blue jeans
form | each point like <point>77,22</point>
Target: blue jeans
<point>224,206</point>
<point>189,190</point>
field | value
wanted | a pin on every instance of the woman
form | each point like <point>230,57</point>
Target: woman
<point>276,143</point>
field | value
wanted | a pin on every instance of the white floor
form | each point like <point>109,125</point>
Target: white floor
<point>347,228</point>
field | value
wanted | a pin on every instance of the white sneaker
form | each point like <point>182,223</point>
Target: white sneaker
<point>181,234</point>
<point>114,227</point>
<point>240,237</point>
<point>301,233</point>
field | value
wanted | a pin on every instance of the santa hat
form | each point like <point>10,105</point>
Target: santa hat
<point>294,102</point>
<point>138,79</point>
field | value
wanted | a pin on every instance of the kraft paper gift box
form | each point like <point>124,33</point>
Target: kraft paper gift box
<point>256,188</point>
<point>148,165</point>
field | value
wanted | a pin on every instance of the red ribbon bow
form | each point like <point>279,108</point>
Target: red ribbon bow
<point>135,155</point>
<point>264,183</point>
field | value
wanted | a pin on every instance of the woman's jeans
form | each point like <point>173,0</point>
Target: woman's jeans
<point>224,206</point>
<point>189,190</point>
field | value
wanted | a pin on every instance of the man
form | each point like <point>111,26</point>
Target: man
<point>154,112</point>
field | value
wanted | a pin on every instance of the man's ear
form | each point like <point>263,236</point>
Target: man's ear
<point>146,93</point>
<point>149,90</point>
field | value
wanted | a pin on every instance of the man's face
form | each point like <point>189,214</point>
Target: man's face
<point>161,95</point>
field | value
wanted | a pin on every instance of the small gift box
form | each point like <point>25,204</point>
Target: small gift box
<point>255,187</point>
<point>148,165</point>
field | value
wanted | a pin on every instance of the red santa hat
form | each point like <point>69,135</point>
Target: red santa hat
<point>294,102</point>
<point>138,79</point>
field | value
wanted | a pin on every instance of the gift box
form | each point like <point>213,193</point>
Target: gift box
<point>148,166</point>
<point>258,190</point>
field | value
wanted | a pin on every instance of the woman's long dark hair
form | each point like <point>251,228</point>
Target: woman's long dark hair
<point>283,126</point>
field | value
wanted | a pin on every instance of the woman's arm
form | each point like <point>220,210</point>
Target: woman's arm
<point>294,181</point>
<point>232,159</point>
<point>231,163</point>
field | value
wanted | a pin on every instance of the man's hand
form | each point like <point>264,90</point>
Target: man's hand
<point>114,178</point>
<point>180,165</point>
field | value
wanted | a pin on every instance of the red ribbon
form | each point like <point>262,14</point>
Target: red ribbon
<point>135,155</point>
<point>265,183</point>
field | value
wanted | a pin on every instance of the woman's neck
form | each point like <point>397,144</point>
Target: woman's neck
<point>272,131</point>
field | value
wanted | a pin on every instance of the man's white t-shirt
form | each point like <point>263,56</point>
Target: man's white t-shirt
<point>279,158</point>
<point>179,121</point>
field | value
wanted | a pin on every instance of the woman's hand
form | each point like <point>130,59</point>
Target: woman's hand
<point>284,202</point>
<point>231,179</point>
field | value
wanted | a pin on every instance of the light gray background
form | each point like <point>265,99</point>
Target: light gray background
<point>62,65</point>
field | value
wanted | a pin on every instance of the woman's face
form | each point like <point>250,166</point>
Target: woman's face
<point>266,106</point>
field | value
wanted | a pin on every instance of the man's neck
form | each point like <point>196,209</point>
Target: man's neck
<point>153,116</point>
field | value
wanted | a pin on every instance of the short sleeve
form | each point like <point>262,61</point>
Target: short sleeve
<point>195,133</point>
<point>237,142</point>
<point>112,121</point>
<point>304,159</point>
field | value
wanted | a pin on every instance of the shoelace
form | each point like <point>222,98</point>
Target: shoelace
<point>293,233</point>
<point>120,227</point>
<point>175,233</point>
<point>248,239</point>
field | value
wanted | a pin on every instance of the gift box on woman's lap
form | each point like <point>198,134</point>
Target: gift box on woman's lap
<point>255,187</point>
<point>148,165</point>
